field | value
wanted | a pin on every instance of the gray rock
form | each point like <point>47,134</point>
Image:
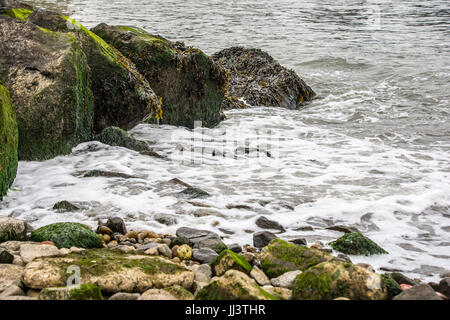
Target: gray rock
<point>29,252</point>
<point>116,224</point>
<point>300,241</point>
<point>124,296</point>
<point>259,276</point>
<point>202,272</point>
<point>179,241</point>
<point>201,238</point>
<point>5,256</point>
<point>262,239</point>
<point>344,257</point>
<point>145,247</point>
<point>265,223</point>
<point>235,247</point>
<point>12,290</point>
<point>402,279</point>
<point>444,287</point>
<point>12,229</point>
<point>65,206</point>
<point>5,284</point>
<point>419,292</point>
<point>345,229</point>
<point>164,250</point>
<point>204,255</point>
<point>166,219</point>
<point>286,280</point>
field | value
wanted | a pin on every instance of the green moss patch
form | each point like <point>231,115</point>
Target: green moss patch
<point>227,260</point>
<point>67,235</point>
<point>88,291</point>
<point>16,13</point>
<point>357,244</point>
<point>280,257</point>
<point>8,142</point>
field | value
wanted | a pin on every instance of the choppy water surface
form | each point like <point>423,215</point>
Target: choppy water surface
<point>372,151</point>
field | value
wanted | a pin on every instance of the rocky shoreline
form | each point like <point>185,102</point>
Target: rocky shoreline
<point>62,84</point>
<point>70,261</point>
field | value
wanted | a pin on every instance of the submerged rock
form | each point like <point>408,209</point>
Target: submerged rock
<point>115,136</point>
<point>46,74</point>
<point>9,142</point>
<point>191,85</point>
<point>113,271</point>
<point>67,235</point>
<point>358,244</point>
<point>280,257</point>
<point>12,229</point>
<point>261,81</point>
<point>334,279</point>
<point>265,223</point>
<point>65,206</point>
<point>122,96</point>
<point>233,285</point>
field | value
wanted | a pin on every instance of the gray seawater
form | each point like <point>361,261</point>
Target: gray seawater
<point>371,151</point>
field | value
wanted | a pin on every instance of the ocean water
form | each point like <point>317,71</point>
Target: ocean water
<point>372,151</point>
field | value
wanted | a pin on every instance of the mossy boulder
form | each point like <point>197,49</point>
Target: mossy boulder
<point>46,74</point>
<point>15,9</point>
<point>228,260</point>
<point>334,279</point>
<point>9,138</point>
<point>122,96</point>
<point>233,285</point>
<point>111,270</point>
<point>191,85</point>
<point>392,286</point>
<point>87,291</point>
<point>67,235</point>
<point>280,257</point>
<point>260,80</point>
<point>115,136</point>
<point>357,244</point>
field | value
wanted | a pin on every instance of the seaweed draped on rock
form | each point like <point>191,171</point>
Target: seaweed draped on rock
<point>8,142</point>
<point>191,85</point>
<point>46,74</point>
<point>260,80</point>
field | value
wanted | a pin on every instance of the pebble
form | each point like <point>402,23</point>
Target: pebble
<point>51,243</point>
<point>106,238</point>
<point>132,235</point>
<point>104,230</point>
<point>113,244</point>
<point>174,250</point>
<point>184,252</point>
<point>164,250</point>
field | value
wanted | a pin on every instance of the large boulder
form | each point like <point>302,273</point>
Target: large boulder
<point>122,96</point>
<point>12,229</point>
<point>112,270</point>
<point>9,138</point>
<point>419,292</point>
<point>233,285</point>
<point>334,279</point>
<point>358,244</point>
<point>280,257</point>
<point>191,85</point>
<point>46,74</point>
<point>67,235</point>
<point>260,80</point>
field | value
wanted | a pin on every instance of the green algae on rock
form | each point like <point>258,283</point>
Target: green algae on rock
<point>87,291</point>
<point>15,9</point>
<point>191,85</point>
<point>122,96</point>
<point>260,80</point>
<point>112,270</point>
<point>233,285</point>
<point>228,260</point>
<point>115,136</point>
<point>46,74</point>
<point>280,257</point>
<point>356,243</point>
<point>9,142</point>
<point>67,235</point>
<point>392,286</point>
<point>334,279</point>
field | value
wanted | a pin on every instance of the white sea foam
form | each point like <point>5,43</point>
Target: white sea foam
<point>318,177</point>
